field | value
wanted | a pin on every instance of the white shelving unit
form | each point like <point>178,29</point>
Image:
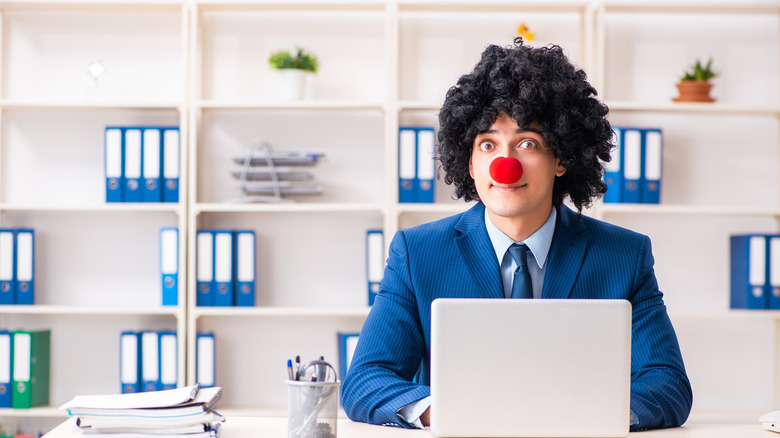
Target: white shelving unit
<point>310,269</point>
<point>97,265</point>
<point>720,175</point>
<point>202,65</point>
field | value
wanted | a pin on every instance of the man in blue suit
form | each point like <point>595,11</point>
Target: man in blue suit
<point>519,134</point>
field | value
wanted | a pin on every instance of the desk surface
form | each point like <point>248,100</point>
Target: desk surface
<point>254,427</point>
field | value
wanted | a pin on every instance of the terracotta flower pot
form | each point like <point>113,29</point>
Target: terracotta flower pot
<point>694,91</point>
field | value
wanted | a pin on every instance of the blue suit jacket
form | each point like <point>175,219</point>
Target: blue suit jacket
<point>454,258</point>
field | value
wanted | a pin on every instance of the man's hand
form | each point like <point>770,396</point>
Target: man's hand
<point>425,418</point>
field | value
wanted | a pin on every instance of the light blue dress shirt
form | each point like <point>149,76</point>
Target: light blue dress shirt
<point>539,246</point>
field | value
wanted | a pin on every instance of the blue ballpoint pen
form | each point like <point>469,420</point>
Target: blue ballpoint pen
<point>289,369</point>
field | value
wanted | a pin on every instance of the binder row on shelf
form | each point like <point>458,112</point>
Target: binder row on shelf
<point>24,368</point>
<point>375,262</point>
<point>205,359</point>
<point>17,266</point>
<point>346,347</point>
<point>755,271</point>
<point>142,163</point>
<point>225,268</point>
<point>268,176</point>
<point>634,174</point>
<point>416,164</point>
<point>147,361</point>
<point>169,265</point>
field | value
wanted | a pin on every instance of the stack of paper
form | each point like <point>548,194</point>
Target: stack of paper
<point>186,412</point>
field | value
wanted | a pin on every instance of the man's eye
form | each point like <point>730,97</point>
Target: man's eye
<point>528,144</point>
<point>486,146</point>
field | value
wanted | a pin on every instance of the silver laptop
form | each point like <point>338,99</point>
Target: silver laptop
<point>530,368</point>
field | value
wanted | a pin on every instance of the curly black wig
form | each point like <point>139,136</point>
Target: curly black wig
<point>528,84</point>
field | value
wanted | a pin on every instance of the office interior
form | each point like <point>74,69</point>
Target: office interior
<point>202,65</point>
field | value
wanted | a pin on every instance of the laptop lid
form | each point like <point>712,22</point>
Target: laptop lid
<point>530,368</point>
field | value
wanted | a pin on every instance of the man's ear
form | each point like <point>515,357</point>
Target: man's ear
<point>559,169</point>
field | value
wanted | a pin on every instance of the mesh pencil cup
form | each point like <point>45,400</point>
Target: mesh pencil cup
<point>312,409</point>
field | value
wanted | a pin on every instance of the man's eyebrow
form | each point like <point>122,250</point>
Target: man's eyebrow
<point>529,129</point>
<point>517,131</point>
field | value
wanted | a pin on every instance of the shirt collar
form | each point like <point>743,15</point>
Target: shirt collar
<point>539,242</point>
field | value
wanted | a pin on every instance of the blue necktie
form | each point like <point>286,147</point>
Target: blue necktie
<point>521,283</point>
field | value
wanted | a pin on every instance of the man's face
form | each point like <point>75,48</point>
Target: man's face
<point>531,195</point>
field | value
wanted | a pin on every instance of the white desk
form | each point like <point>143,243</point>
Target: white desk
<point>264,427</point>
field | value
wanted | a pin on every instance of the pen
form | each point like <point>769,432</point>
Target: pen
<point>289,369</point>
<point>297,367</point>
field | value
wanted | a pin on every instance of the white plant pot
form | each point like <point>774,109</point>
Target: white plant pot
<point>289,84</point>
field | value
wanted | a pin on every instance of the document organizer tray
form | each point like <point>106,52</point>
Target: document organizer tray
<point>268,176</point>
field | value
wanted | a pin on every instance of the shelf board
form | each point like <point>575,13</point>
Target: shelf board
<point>50,309</point>
<point>320,105</point>
<point>620,105</point>
<point>41,412</point>
<point>290,5</point>
<point>359,312</point>
<point>418,105</point>
<point>667,209</point>
<point>694,107</point>
<point>38,105</point>
<point>137,207</point>
<point>673,6</point>
<point>303,207</point>
<point>92,5</point>
<point>450,208</point>
<point>493,6</point>
<point>726,314</point>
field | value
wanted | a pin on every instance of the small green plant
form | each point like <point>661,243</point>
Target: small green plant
<point>302,60</point>
<point>698,72</point>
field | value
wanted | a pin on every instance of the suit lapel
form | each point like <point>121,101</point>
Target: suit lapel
<point>477,252</point>
<point>567,252</point>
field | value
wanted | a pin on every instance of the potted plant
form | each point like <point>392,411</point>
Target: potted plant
<point>291,71</point>
<point>695,85</point>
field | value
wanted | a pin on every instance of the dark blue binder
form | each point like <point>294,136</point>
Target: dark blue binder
<point>223,268</point>
<point>773,267</point>
<point>130,362</point>
<point>347,343</point>
<point>6,367</point>
<point>150,361</point>
<point>205,359</point>
<point>407,164</point>
<point>632,165</point>
<point>749,276</point>
<point>375,262</point>
<point>7,266</point>
<point>169,365</point>
<point>652,150</point>
<point>151,178</point>
<point>114,163</point>
<point>133,150</point>
<point>204,274</point>
<point>169,265</point>
<point>244,274</point>
<point>613,172</point>
<point>25,266</point>
<point>426,166</point>
<point>170,171</point>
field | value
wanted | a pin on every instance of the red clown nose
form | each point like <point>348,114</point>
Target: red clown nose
<point>506,170</point>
